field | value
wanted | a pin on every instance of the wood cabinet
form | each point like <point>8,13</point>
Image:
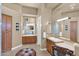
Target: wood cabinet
<point>6,33</point>
<point>49,45</point>
<point>29,39</point>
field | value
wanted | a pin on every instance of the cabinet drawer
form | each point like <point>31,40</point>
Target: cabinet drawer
<point>29,39</point>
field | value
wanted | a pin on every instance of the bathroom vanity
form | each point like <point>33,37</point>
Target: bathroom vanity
<point>29,30</point>
<point>29,39</point>
<point>51,41</point>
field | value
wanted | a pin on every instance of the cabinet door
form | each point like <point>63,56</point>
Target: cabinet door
<point>6,32</point>
<point>49,45</point>
<point>3,33</point>
<point>9,32</point>
<point>29,39</point>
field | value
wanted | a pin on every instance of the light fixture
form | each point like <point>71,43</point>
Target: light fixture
<point>72,6</point>
<point>63,19</point>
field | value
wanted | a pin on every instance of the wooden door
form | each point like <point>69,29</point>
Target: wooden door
<point>6,33</point>
<point>73,31</point>
<point>3,33</point>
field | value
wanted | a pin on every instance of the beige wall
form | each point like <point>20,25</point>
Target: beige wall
<point>29,10</point>
<point>45,15</point>
<point>45,18</point>
<point>13,6</point>
<point>62,11</point>
<point>14,10</point>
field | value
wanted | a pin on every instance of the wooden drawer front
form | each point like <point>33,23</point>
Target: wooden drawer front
<point>29,39</point>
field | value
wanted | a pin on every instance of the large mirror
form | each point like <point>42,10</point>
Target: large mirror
<point>29,25</point>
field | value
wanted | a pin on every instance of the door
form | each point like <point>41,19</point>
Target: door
<point>6,32</point>
<point>73,31</point>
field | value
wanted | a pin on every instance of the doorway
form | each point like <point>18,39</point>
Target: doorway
<point>73,31</point>
<point>6,33</point>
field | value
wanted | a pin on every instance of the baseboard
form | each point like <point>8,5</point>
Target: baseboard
<point>44,49</point>
<point>16,47</point>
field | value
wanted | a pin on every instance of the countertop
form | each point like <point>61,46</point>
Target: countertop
<point>62,43</point>
<point>28,35</point>
<point>56,40</point>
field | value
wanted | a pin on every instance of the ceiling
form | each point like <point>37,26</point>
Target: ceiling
<point>37,5</point>
<point>73,5</point>
<point>52,5</point>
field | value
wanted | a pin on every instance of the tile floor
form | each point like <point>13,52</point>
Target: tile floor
<point>66,44</point>
<point>35,47</point>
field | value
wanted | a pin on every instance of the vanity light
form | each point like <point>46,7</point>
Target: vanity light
<point>63,19</point>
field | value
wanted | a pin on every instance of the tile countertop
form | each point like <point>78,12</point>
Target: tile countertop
<point>66,45</point>
<point>56,40</point>
<point>28,35</point>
